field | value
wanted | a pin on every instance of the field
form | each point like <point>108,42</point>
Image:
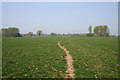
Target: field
<point>94,57</point>
<point>41,57</point>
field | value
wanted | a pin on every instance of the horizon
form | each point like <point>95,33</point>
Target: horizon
<point>60,17</point>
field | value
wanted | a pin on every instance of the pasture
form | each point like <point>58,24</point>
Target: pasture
<point>41,57</point>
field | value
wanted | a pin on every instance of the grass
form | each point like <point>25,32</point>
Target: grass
<point>41,57</point>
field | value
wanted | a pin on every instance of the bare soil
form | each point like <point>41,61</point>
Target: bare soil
<point>70,68</point>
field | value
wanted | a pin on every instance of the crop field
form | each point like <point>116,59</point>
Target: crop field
<point>41,57</point>
<point>32,58</point>
<point>94,57</point>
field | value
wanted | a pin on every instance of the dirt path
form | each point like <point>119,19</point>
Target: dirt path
<point>70,69</point>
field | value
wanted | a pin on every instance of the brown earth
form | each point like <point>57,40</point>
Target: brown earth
<point>70,68</point>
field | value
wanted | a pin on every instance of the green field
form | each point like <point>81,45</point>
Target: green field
<point>41,57</point>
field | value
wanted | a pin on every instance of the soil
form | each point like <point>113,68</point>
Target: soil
<point>70,68</point>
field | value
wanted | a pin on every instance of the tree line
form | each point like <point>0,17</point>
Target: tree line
<point>9,32</point>
<point>14,32</point>
<point>31,34</point>
<point>101,30</point>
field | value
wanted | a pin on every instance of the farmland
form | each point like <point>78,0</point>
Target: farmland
<point>94,57</point>
<point>41,57</point>
<point>32,58</point>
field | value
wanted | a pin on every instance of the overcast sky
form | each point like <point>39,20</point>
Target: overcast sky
<point>59,17</point>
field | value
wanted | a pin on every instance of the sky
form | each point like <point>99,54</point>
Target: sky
<point>59,17</point>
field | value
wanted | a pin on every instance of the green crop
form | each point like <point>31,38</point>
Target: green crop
<point>41,57</point>
<point>94,57</point>
<point>32,58</point>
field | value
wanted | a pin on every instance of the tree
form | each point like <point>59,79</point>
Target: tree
<point>10,32</point>
<point>96,30</point>
<point>90,34</point>
<point>101,30</point>
<point>90,29</point>
<point>63,34</point>
<point>39,32</point>
<point>4,32</point>
<point>53,34</point>
<point>106,31</point>
<point>30,33</point>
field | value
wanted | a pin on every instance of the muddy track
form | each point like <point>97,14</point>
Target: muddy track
<point>70,68</point>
